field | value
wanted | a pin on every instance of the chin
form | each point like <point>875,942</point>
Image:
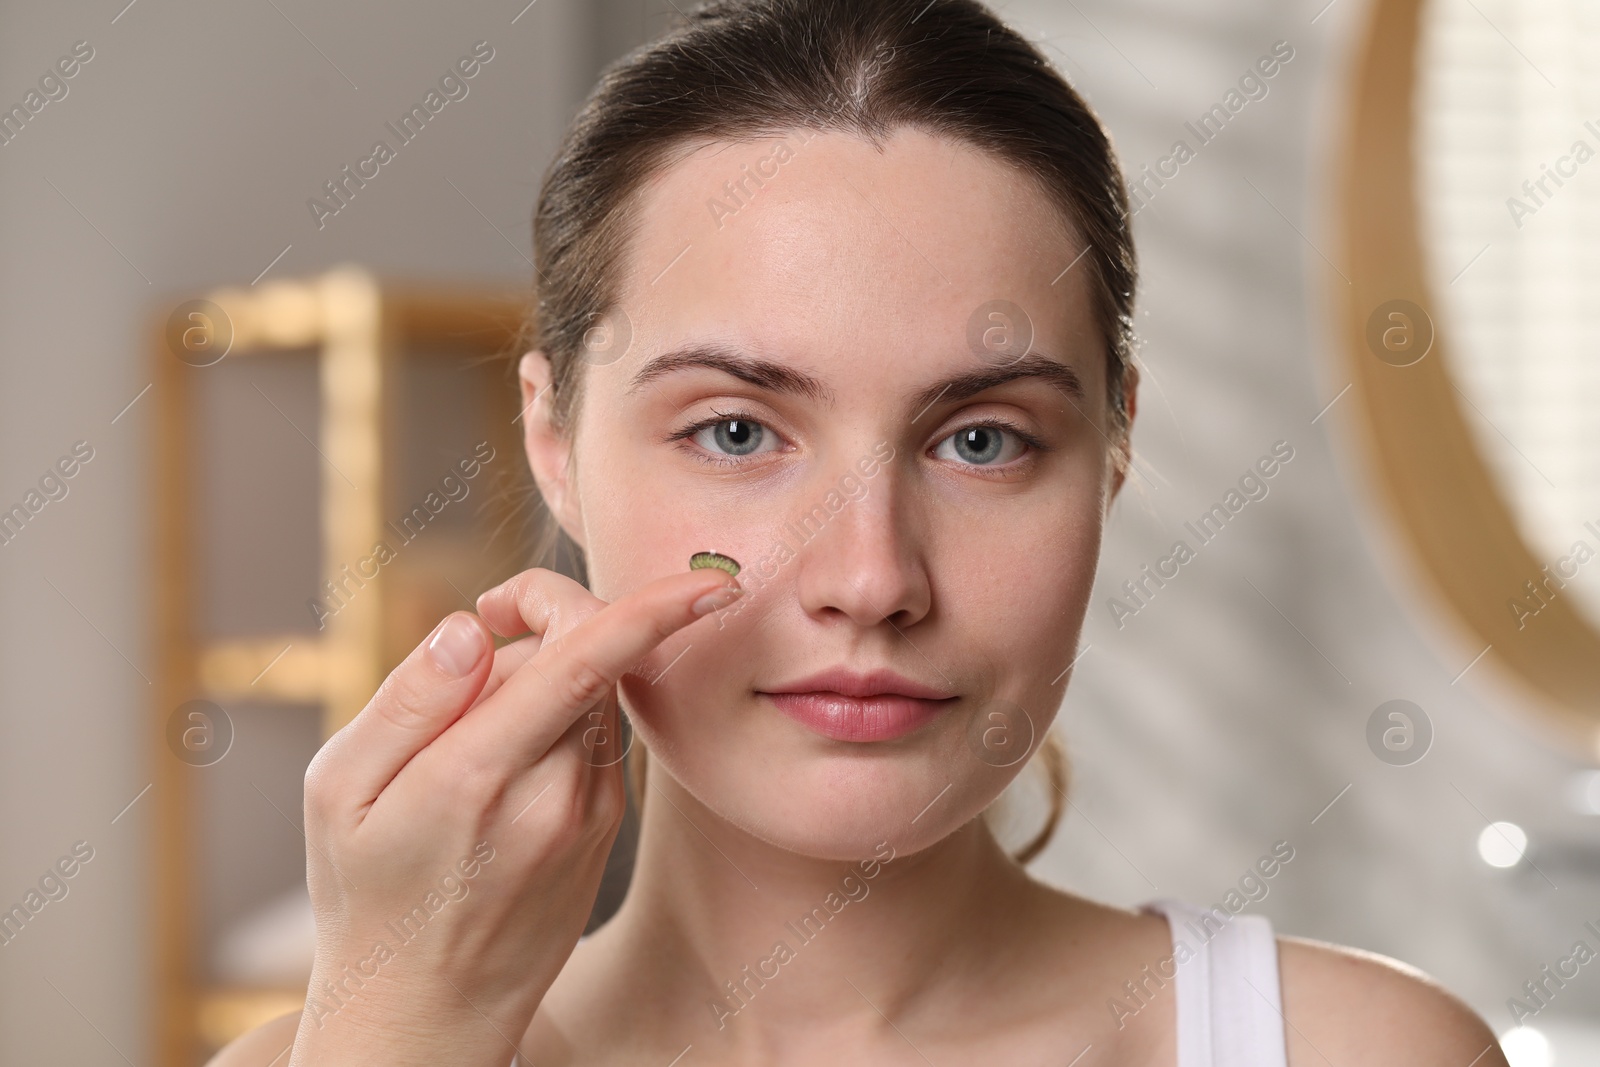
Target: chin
<point>826,799</point>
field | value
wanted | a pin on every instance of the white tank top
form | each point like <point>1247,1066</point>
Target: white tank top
<point>1230,1010</point>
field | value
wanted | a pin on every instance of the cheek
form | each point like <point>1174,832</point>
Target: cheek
<point>1024,581</point>
<point>640,524</point>
<point>700,726</point>
<point>1023,620</point>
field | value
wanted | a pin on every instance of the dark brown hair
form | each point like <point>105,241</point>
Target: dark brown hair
<point>741,70</point>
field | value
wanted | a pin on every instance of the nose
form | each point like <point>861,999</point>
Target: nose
<point>863,558</point>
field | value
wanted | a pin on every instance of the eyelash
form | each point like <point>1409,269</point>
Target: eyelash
<point>993,423</point>
<point>710,458</point>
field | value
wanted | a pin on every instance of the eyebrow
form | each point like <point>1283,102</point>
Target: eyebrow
<point>758,372</point>
<point>958,387</point>
<point>766,374</point>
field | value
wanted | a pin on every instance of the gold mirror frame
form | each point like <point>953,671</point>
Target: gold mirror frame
<point>1459,530</point>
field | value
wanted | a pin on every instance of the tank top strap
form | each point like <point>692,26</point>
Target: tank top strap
<point>1229,999</point>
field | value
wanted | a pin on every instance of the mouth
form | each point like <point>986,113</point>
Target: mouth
<point>843,718</point>
<point>846,705</point>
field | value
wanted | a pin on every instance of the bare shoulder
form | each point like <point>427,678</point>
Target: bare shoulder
<point>265,1046</point>
<point>1345,1005</point>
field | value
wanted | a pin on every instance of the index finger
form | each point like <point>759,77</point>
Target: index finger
<point>537,704</point>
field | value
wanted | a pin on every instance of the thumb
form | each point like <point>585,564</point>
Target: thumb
<point>429,690</point>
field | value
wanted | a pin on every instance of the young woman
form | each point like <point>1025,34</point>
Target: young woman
<point>842,290</point>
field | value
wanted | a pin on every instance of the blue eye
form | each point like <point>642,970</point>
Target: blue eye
<point>731,436</point>
<point>728,437</point>
<point>983,444</point>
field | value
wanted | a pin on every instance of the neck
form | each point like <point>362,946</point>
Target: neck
<point>757,939</point>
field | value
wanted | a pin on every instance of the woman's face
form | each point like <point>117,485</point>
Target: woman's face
<point>876,528</point>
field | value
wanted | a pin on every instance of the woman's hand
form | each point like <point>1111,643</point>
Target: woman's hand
<point>458,827</point>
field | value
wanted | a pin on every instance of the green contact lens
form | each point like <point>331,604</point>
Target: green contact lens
<point>714,559</point>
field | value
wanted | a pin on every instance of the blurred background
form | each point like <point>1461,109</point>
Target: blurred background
<point>1376,264</point>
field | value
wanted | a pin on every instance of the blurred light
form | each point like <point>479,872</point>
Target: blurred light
<point>1583,792</point>
<point>1526,1047</point>
<point>1502,844</point>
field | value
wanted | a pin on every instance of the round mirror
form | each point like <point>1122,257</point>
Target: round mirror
<point>1471,220</point>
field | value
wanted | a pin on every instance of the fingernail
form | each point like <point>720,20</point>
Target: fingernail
<point>718,598</point>
<point>456,646</point>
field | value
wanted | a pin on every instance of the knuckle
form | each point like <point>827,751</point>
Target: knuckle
<point>466,785</point>
<point>321,787</point>
<point>565,812</point>
<point>317,787</point>
<point>529,600</point>
<point>662,627</point>
<point>400,700</point>
<point>515,584</point>
<point>537,594</point>
<point>519,592</point>
<point>610,802</point>
<point>443,783</point>
<point>531,582</point>
<point>584,684</point>
<point>548,603</point>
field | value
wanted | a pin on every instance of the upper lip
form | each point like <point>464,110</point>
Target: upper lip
<point>850,683</point>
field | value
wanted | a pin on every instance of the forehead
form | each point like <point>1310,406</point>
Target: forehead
<point>816,247</point>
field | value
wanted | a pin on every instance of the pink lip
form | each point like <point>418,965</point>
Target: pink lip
<point>847,705</point>
<point>857,684</point>
<point>879,718</point>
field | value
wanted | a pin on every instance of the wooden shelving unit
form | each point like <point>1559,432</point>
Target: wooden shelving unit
<point>360,328</point>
